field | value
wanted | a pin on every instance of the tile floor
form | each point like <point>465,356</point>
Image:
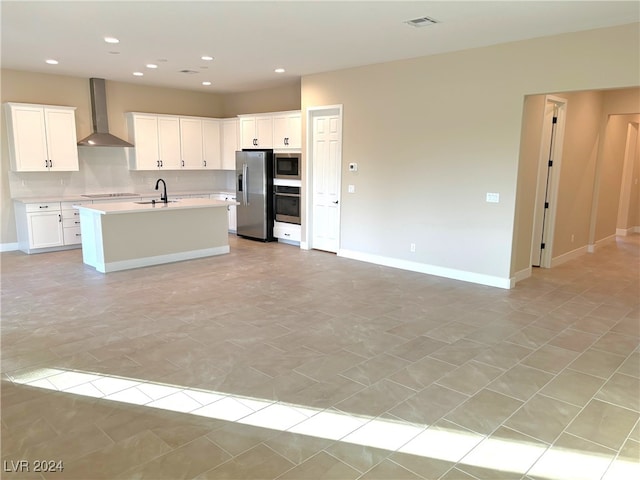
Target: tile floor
<point>272,362</point>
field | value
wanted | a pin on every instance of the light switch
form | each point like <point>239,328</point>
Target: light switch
<point>353,167</point>
<point>493,197</point>
<point>351,189</point>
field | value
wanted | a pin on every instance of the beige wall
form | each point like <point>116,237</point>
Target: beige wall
<point>530,138</point>
<point>577,172</point>
<point>433,135</point>
<point>610,175</point>
<point>633,215</point>
<point>269,100</point>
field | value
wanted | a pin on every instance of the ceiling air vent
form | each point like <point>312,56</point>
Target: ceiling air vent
<point>421,22</point>
<point>189,72</point>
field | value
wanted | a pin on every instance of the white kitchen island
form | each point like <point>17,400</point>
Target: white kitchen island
<point>120,236</point>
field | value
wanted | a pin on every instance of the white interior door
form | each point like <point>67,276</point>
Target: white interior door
<point>548,176</point>
<point>326,159</point>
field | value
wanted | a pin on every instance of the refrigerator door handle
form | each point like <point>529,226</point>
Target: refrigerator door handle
<point>245,184</point>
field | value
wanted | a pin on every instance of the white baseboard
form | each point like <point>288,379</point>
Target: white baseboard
<point>623,232</point>
<point>454,274</point>
<point>591,248</point>
<point>8,247</point>
<point>565,257</point>
<point>521,275</point>
<point>160,259</point>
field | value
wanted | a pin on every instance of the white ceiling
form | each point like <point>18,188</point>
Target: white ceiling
<point>250,39</point>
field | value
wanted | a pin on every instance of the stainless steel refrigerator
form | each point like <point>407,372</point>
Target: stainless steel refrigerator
<point>254,193</point>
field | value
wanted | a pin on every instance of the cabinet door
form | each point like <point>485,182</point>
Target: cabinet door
<point>230,144</point>
<point>29,139</point>
<point>294,131</point>
<point>287,131</point>
<point>191,142</point>
<point>169,142</point>
<point>61,139</point>
<point>45,229</point>
<point>264,132</point>
<point>248,138</point>
<point>211,144</point>
<point>147,153</point>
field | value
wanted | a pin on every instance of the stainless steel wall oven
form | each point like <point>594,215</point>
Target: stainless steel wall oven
<point>287,204</point>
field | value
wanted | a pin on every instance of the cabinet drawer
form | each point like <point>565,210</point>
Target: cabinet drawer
<point>72,235</point>
<point>43,207</point>
<point>70,205</point>
<point>70,220</point>
<point>287,231</point>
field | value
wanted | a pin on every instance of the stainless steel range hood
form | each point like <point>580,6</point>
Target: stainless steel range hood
<point>100,136</point>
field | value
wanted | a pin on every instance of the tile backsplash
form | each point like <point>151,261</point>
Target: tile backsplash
<point>105,170</point>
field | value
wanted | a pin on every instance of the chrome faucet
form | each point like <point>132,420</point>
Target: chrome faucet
<point>163,198</point>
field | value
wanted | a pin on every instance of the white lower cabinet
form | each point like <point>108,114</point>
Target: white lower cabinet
<point>71,222</point>
<point>287,231</point>
<point>39,226</point>
<point>228,197</point>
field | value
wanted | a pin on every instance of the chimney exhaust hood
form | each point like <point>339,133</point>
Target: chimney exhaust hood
<point>100,136</point>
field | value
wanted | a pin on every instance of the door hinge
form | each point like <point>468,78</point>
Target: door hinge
<point>551,163</point>
<point>555,119</point>
<point>542,245</point>
<point>546,204</point>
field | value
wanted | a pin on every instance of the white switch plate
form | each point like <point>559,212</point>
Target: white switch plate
<point>493,197</point>
<point>351,189</point>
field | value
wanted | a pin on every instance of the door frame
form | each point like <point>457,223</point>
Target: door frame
<point>541,191</point>
<point>307,221</point>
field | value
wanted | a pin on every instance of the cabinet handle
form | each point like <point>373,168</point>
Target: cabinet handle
<point>205,163</point>
<point>183,163</point>
<point>161,163</point>
<point>286,140</point>
<point>78,234</point>
<point>59,218</point>
<point>43,206</point>
<point>255,142</point>
<point>158,163</point>
<point>77,223</point>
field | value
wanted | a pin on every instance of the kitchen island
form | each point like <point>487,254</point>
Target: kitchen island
<point>121,236</point>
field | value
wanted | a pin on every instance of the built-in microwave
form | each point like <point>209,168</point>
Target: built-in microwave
<point>287,166</point>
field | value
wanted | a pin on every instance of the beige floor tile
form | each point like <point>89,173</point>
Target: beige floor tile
<point>520,382</point>
<point>484,412</point>
<point>543,418</point>
<point>259,462</point>
<point>394,332</point>
<point>573,387</point>
<point>621,390</point>
<point>470,377</point>
<point>597,363</point>
<point>388,469</point>
<point>321,466</point>
<point>603,423</point>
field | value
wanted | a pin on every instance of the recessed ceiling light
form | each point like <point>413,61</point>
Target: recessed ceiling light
<point>51,61</point>
<point>138,74</point>
<point>279,70</point>
<point>206,57</point>
<point>206,84</point>
<point>151,65</point>
<point>111,40</point>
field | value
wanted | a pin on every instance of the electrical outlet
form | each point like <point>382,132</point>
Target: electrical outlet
<point>573,237</point>
<point>493,197</point>
<point>412,248</point>
<point>351,189</point>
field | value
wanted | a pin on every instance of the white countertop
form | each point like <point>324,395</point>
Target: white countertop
<point>77,197</point>
<point>134,207</point>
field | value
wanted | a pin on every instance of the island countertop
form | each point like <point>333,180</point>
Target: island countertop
<point>146,206</point>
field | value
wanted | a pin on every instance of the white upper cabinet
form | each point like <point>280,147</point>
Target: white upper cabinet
<point>287,130</point>
<point>191,143</point>
<point>211,144</point>
<point>173,142</point>
<point>41,137</point>
<point>230,143</point>
<point>256,131</point>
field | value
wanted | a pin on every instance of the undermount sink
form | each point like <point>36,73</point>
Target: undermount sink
<point>153,202</point>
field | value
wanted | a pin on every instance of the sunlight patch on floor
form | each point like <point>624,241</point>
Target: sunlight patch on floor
<point>461,446</point>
